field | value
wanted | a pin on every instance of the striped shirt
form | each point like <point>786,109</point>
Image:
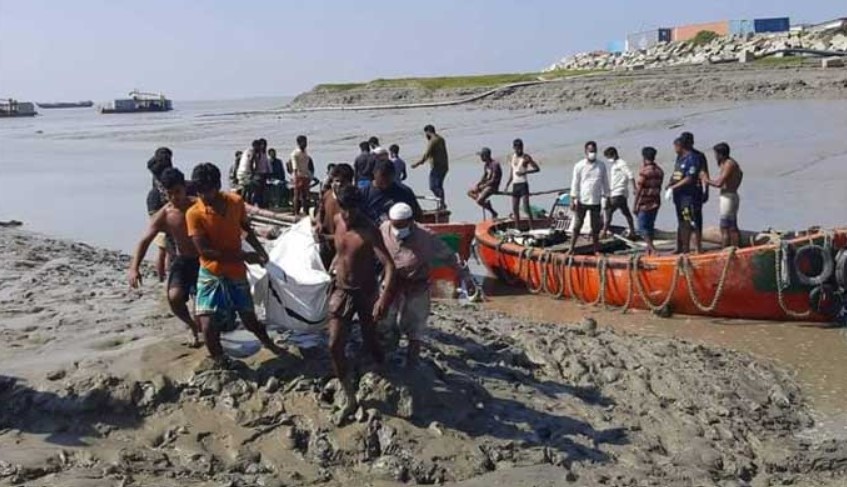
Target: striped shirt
<point>650,179</point>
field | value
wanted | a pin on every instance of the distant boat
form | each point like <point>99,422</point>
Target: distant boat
<point>67,104</point>
<point>139,102</point>
<point>15,108</point>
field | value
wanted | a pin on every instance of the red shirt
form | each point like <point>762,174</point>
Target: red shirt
<point>649,195</point>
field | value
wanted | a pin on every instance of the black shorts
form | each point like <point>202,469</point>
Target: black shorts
<point>520,189</point>
<point>689,211</point>
<point>183,275</point>
<point>596,218</point>
<point>618,203</point>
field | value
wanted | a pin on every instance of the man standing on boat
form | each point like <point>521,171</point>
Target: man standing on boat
<point>399,163</point>
<point>492,174</point>
<point>589,186</point>
<point>364,166</point>
<point>246,172</point>
<point>687,197</point>
<point>413,249</point>
<point>215,224</point>
<point>436,153</point>
<point>521,165</point>
<point>648,197</point>
<point>729,180</point>
<point>620,179</point>
<point>301,167</point>
<point>702,182</point>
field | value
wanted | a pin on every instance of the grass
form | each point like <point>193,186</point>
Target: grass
<point>450,82</point>
<point>781,61</point>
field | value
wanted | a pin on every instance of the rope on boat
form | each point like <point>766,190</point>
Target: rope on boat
<point>526,262</point>
<point>630,292</point>
<point>687,268</point>
<point>601,293</point>
<point>639,287</point>
<point>778,252</point>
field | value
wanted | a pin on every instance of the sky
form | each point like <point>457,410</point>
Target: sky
<point>54,50</point>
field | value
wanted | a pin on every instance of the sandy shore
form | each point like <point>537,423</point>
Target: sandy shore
<point>638,89</point>
<point>97,389</point>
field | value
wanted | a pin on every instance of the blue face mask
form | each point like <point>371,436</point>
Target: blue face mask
<point>401,233</point>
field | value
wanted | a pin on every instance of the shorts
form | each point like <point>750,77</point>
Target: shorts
<point>409,313</point>
<point>729,203</point>
<point>520,189</point>
<point>222,298</point>
<point>161,240</point>
<point>647,223</point>
<point>183,274</point>
<point>618,203</point>
<point>689,211</point>
<point>301,183</point>
<point>344,304</point>
<point>436,182</point>
<point>596,219</point>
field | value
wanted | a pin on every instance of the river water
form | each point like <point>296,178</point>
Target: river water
<point>81,175</point>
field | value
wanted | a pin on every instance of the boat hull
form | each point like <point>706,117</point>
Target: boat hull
<point>739,283</point>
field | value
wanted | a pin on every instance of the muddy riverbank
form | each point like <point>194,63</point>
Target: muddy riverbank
<point>656,88</point>
<point>98,389</point>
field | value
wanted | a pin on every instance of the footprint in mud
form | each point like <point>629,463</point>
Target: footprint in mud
<point>109,343</point>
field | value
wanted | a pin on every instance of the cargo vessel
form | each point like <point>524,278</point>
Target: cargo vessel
<point>139,102</point>
<point>13,108</point>
<point>67,104</point>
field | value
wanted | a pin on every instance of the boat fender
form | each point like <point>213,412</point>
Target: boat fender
<point>825,300</point>
<point>841,269</point>
<point>811,253</point>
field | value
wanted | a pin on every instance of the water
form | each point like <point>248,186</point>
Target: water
<point>82,175</point>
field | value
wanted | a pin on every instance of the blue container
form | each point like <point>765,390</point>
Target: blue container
<point>741,28</point>
<point>616,47</point>
<point>665,35</point>
<point>780,24</point>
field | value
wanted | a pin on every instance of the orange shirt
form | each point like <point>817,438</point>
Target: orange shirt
<point>222,232</point>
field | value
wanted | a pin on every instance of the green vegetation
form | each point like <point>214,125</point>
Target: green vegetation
<point>704,37</point>
<point>451,82</point>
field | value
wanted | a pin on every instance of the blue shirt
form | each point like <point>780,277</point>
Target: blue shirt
<point>400,168</point>
<point>377,202</point>
<point>687,166</point>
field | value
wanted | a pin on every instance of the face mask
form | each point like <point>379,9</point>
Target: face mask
<point>612,160</point>
<point>592,156</point>
<point>401,233</point>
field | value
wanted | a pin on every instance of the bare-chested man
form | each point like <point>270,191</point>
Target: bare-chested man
<point>341,175</point>
<point>358,245</point>
<point>729,180</point>
<point>182,276</point>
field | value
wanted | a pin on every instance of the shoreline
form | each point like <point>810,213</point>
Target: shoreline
<point>97,385</point>
<point>654,88</point>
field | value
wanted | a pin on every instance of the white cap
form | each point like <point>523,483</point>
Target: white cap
<point>379,151</point>
<point>400,211</point>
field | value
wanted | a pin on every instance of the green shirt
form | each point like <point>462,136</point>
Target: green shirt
<point>436,153</point>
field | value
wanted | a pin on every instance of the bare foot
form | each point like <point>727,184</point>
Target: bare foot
<point>348,405</point>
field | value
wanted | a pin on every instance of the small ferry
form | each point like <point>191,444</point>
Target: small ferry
<point>67,104</point>
<point>139,102</point>
<point>13,108</point>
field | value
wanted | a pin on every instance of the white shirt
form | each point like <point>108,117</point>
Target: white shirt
<point>245,167</point>
<point>518,164</point>
<point>300,162</point>
<point>590,182</point>
<point>620,178</point>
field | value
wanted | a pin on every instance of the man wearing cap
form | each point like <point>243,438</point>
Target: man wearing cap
<point>490,182</point>
<point>413,249</point>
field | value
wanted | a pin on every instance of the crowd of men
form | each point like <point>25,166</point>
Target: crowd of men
<point>379,258</point>
<point>365,224</point>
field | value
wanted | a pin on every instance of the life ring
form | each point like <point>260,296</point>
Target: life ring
<point>811,253</point>
<point>825,300</point>
<point>841,269</point>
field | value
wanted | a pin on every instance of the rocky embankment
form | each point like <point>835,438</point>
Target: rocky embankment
<point>720,50</point>
<point>495,402</point>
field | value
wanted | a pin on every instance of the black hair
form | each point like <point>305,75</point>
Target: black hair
<point>158,165</point>
<point>365,145</point>
<point>343,171</point>
<point>687,139</point>
<point>517,143</point>
<point>679,141</point>
<point>649,153</point>
<point>722,149</point>
<point>301,140</point>
<point>611,152</point>
<point>373,141</point>
<point>385,167</point>
<point>171,178</point>
<point>163,152</point>
<point>429,129</point>
<point>256,143</point>
<point>394,149</point>
<point>330,166</point>
<point>349,197</point>
<point>263,141</point>
<point>590,143</point>
<point>272,149</point>
<point>206,177</point>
